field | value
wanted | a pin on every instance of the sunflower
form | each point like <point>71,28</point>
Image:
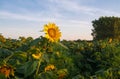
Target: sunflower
<point>52,32</point>
<point>49,67</point>
<point>110,40</point>
<point>36,55</point>
<point>6,70</point>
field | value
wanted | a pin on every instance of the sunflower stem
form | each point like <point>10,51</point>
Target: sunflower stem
<point>36,74</point>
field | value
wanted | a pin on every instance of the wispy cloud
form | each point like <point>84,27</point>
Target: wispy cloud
<point>9,15</point>
<point>76,6</point>
<point>56,12</point>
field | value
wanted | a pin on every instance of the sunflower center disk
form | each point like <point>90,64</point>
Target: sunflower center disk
<point>52,32</point>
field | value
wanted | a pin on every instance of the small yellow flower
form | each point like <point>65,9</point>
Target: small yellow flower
<point>110,40</point>
<point>58,53</point>
<point>49,67</point>
<point>36,55</point>
<point>7,71</point>
<point>2,39</point>
<point>52,32</point>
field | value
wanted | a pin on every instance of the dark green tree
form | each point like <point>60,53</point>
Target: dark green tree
<point>106,27</point>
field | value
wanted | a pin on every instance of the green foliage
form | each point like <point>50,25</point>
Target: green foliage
<point>95,59</point>
<point>28,68</point>
<point>68,59</point>
<point>2,76</point>
<point>106,27</point>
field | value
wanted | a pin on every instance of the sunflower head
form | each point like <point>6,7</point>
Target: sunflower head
<point>6,70</point>
<point>49,67</point>
<point>52,32</point>
<point>36,55</point>
<point>110,40</point>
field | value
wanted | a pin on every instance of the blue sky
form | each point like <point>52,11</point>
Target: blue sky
<point>27,17</point>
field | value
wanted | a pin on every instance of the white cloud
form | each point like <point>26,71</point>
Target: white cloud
<point>8,15</point>
<point>76,7</point>
<point>56,12</point>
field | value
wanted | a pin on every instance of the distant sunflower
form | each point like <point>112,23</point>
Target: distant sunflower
<point>52,32</point>
<point>110,40</point>
<point>49,67</point>
<point>36,55</point>
<point>7,71</point>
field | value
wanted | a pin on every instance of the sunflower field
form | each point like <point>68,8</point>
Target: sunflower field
<point>46,57</point>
